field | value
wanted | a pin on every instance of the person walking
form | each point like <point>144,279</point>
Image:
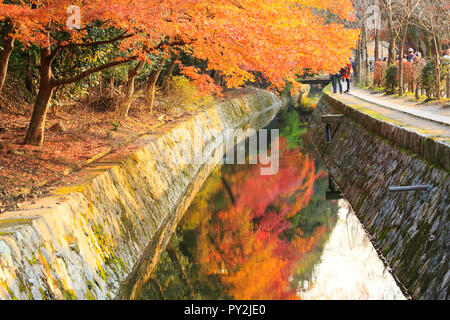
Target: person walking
<point>410,57</point>
<point>336,81</point>
<point>353,68</point>
<point>346,73</point>
<point>447,54</point>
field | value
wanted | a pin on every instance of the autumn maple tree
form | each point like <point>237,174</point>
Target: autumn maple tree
<point>236,37</point>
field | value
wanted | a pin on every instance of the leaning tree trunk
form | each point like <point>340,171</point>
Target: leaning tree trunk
<point>35,133</point>
<point>47,84</point>
<point>166,82</point>
<point>4,59</point>
<point>132,73</point>
<point>150,90</point>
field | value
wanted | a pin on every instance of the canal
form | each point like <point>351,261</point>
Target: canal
<point>253,236</point>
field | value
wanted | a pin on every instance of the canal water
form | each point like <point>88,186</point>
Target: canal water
<point>253,236</point>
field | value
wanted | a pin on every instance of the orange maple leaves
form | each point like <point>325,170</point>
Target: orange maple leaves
<point>278,38</point>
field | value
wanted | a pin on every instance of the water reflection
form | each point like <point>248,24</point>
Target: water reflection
<point>250,236</point>
<point>350,267</point>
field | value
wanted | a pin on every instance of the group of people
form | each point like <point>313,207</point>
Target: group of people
<point>345,73</point>
<point>413,56</point>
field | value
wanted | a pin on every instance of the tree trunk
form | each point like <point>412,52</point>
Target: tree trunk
<point>400,63</point>
<point>166,81</point>
<point>376,53</point>
<point>448,84</point>
<point>366,68</point>
<point>437,68</point>
<point>29,77</point>
<point>4,59</point>
<point>111,87</point>
<point>428,45</point>
<point>391,54</point>
<point>132,73</point>
<point>417,67</point>
<point>358,61</point>
<point>366,59</point>
<point>35,133</point>
<point>151,87</point>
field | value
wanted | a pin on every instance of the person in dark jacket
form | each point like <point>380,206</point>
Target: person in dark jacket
<point>336,81</point>
<point>353,68</point>
<point>410,57</point>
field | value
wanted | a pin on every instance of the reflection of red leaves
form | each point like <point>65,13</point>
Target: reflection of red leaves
<point>295,176</point>
<point>246,238</point>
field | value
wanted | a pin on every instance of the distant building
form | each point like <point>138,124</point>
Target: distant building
<point>383,49</point>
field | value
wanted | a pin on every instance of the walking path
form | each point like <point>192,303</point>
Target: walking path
<point>429,112</point>
<point>432,121</point>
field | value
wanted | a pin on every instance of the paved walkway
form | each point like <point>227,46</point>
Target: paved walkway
<point>429,120</point>
<point>431,112</point>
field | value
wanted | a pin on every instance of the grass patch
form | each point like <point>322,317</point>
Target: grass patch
<point>376,115</point>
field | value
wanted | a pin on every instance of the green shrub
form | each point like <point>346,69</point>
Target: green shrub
<point>390,79</point>
<point>428,79</point>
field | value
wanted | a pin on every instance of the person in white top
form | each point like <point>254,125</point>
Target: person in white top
<point>447,54</point>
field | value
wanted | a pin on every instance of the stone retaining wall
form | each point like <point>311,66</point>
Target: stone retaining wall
<point>86,239</point>
<point>410,229</point>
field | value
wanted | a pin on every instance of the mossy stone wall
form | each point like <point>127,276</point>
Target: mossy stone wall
<point>411,230</point>
<point>84,241</point>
